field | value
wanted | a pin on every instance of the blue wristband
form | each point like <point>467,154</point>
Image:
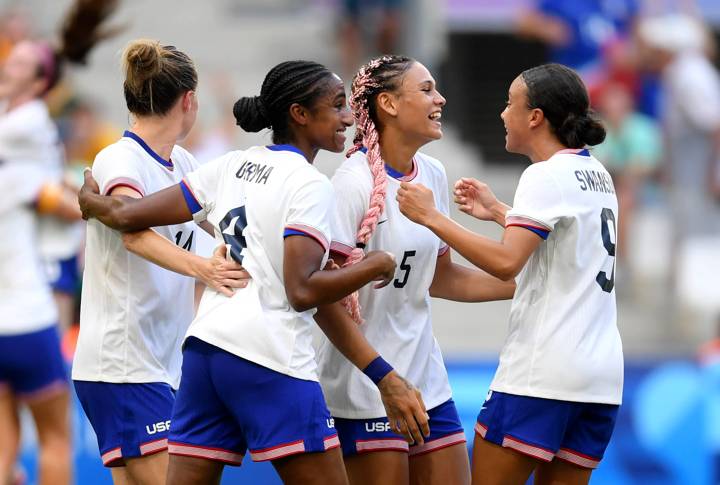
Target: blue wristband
<point>377,369</point>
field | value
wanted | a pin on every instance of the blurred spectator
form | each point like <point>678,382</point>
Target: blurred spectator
<point>384,17</point>
<point>631,152</point>
<point>14,27</point>
<point>84,133</point>
<point>60,242</point>
<point>578,31</point>
<point>676,46</point>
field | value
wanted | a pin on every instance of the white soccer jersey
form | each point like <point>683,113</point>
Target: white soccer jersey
<point>397,317</point>
<point>563,341</point>
<point>29,149</point>
<point>133,313</point>
<point>252,199</point>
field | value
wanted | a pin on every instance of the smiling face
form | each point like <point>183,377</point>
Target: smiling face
<point>517,117</point>
<point>329,118</point>
<point>419,105</point>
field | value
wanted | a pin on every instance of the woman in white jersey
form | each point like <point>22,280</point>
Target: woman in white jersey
<point>133,313</point>
<point>249,381</point>
<point>553,403</point>
<point>397,108</point>
<point>32,369</point>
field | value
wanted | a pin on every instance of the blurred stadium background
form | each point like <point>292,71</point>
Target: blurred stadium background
<point>668,287</point>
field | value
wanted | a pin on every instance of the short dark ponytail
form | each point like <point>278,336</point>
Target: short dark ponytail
<point>559,92</point>
<point>290,82</point>
<point>579,131</point>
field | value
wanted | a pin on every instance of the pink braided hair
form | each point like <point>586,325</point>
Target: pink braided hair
<point>366,135</point>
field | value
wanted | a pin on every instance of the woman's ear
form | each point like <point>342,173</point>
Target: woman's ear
<point>299,114</point>
<point>387,102</point>
<point>536,117</point>
<point>187,101</point>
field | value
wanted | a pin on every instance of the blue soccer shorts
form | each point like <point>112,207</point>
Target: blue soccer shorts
<point>368,435</point>
<point>31,364</point>
<point>130,420</point>
<point>545,429</point>
<point>227,405</point>
<point>64,274</point>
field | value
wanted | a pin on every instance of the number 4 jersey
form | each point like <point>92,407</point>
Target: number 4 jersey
<point>563,341</point>
<point>254,199</point>
<point>397,317</point>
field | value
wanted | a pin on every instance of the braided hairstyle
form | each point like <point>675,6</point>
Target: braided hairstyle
<point>80,32</point>
<point>290,82</point>
<point>380,75</point>
<point>561,95</point>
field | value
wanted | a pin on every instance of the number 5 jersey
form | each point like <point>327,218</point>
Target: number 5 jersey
<point>563,342</point>
<point>397,317</point>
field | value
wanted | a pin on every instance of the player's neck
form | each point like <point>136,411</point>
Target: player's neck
<point>544,148</point>
<point>305,147</point>
<point>396,152</point>
<point>160,136</point>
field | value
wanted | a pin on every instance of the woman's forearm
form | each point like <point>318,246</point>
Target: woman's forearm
<point>153,247</point>
<point>345,334</point>
<point>459,283</point>
<point>129,214</point>
<point>491,256</point>
<point>324,287</point>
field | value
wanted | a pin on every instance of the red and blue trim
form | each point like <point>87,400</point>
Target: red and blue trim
<point>206,452</point>
<point>123,182</point>
<point>303,230</point>
<point>531,225</point>
<point>540,232</point>
<point>438,444</point>
<point>341,248</point>
<point>165,163</point>
<point>190,199</point>
<point>582,152</point>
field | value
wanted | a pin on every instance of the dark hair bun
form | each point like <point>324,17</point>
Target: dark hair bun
<point>579,131</point>
<point>250,114</point>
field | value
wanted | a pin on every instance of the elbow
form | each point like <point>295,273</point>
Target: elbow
<point>301,300</point>
<point>507,270</point>
<point>120,222</point>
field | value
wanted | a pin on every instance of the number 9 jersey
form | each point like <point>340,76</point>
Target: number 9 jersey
<point>563,342</point>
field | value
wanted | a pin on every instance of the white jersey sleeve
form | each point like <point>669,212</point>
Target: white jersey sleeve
<point>352,195</point>
<point>538,201</point>
<point>309,210</point>
<point>203,184</point>
<point>110,171</point>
